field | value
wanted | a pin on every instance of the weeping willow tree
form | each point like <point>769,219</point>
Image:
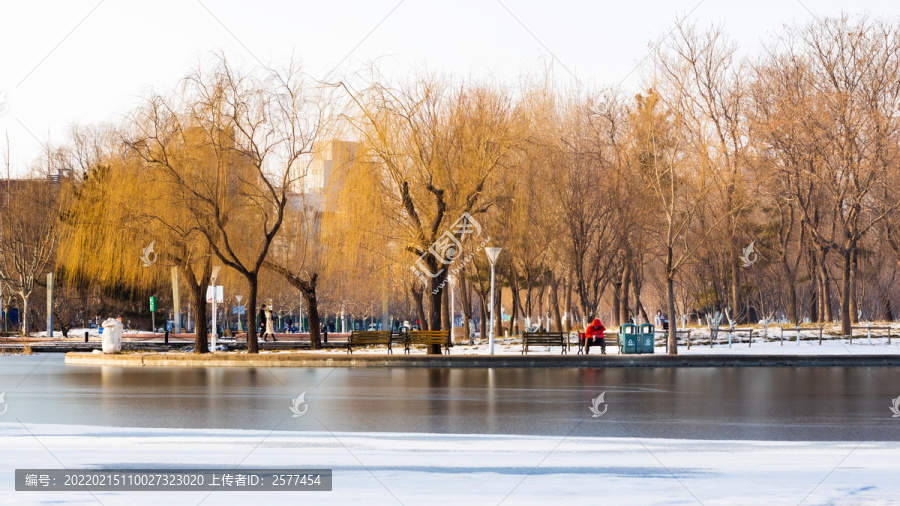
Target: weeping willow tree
<point>429,151</point>
<point>120,207</point>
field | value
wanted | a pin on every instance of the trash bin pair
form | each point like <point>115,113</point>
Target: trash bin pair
<point>634,339</point>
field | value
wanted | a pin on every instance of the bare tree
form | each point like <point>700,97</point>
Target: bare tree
<point>29,229</point>
<point>833,124</point>
<point>256,131</point>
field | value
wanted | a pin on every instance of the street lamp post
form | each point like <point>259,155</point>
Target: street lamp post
<point>492,254</point>
<point>450,279</point>
<point>215,274</point>
<point>238,298</point>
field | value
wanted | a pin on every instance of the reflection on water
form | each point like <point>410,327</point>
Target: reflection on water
<point>835,403</point>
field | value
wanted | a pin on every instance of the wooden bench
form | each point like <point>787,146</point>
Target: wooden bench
<point>608,340</point>
<point>369,338</point>
<point>428,338</point>
<point>545,339</point>
<point>399,337</point>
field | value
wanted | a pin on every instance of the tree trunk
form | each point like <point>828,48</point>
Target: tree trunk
<point>814,292</point>
<point>24,314</point>
<point>846,320</point>
<point>420,308</point>
<point>639,306</point>
<point>887,314</point>
<point>568,306</point>
<point>434,318</point>
<point>792,290</point>
<point>617,304</point>
<point>312,302</point>
<point>466,301</point>
<point>673,327</point>
<point>519,313</point>
<point>514,313</point>
<point>498,315</point>
<point>735,285</point>
<point>854,308</point>
<point>483,323</point>
<point>814,287</point>
<point>201,333</point>
<point>827,312</point>
<point>554,305</point>
<point>528,311</point>
<point>446,322</point>
<point>252,324</point>
<point>626,284</point>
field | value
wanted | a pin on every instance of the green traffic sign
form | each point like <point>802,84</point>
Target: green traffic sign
<point>152,303</point>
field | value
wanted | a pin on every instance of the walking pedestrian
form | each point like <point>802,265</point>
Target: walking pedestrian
<point>261,321</point>
<point>270,325</point>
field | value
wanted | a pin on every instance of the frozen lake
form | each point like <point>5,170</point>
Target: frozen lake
<point>775,404</point>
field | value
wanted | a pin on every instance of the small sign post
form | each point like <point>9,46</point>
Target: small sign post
<point>153,312</point>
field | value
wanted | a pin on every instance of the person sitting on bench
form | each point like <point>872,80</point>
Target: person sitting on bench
<point>595,333</point>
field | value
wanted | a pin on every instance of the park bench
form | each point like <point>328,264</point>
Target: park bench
<point>369,338</point>
<point>544,339</point>
<point>608,341</point>
<point>399,337</point>
<point>428,338</point>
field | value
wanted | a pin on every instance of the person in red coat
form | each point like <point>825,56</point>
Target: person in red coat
<point>594,335</point>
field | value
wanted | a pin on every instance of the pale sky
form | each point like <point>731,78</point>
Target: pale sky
<point>86,61</point>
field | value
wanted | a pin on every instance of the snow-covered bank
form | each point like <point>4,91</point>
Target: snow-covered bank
<point>392,468</point>
<point>769,344</point>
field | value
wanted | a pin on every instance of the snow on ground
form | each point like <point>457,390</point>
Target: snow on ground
<point>392,468</point>
<point>832,344</point>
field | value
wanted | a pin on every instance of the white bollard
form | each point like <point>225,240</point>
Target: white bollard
<point>112,336</point>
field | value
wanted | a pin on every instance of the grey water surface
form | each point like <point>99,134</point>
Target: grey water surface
<point>751,403</point>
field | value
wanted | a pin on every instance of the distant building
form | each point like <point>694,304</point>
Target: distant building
<point>323,183</point>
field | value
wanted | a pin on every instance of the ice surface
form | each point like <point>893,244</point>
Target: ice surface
<point>398,468</point>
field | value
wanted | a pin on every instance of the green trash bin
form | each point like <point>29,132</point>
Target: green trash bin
<point>648,338</point>
<point>629,338</point>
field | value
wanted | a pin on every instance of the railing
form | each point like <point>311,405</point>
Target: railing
<point>797,330</point>
<point>677,333</point>
<point>869,330</point>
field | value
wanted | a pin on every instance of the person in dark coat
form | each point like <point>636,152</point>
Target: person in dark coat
<point>594,335</point>
<point>261,320</point>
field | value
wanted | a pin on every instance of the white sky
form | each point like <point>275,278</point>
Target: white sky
<point>63,62</point>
